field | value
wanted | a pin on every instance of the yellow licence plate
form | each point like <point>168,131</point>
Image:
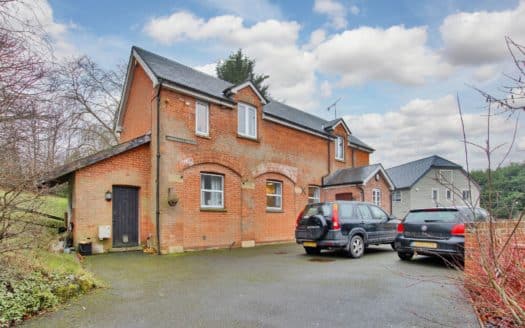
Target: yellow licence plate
<point>424,244</point>
<point>309,244</point>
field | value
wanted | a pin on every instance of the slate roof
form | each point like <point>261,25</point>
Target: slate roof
<point>172,71</point>
<point>59,173</point>
<point>187,77</point>
<point>358,142</point>
<point>406,175</point>
<point>356,175</point>
<point>296,116</point>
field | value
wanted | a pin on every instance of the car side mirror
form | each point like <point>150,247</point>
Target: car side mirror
<point>391,217</point>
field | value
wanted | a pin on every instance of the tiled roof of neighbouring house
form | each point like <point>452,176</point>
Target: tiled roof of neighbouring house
<point>187,77</point>
<point>355,175</point>
<point>406,175</point>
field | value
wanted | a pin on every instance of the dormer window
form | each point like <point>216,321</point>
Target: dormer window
<point>247,121</point>
<point>340,149</point>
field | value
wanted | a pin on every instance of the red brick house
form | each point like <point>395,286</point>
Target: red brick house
<point>203,163</point>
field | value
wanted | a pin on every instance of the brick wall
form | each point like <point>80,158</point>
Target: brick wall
<point>477,241</point>
<point>90,209</point>
<point>137,118</point>
<point>362,158</point>
<point>330,193</point>
<point>278,153</point>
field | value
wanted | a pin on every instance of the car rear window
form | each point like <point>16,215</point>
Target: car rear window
<point>432,216</point>
<point>315,209</point>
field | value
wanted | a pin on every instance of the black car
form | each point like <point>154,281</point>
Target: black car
<point>435,231</point>
<point>346,225</point>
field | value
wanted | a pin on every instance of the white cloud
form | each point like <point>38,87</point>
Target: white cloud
<point>208,69</point>
<point>355,10</point>
<point>326,89</point>
<point>396,54</point>
<point>425,127</point>
<point>486,72</point>
<point>316,38</point>
<point>253,10</point>
<point>335,11</point>
<point>520,144</point>
<point>273,44</point>
<point>37,18</point>
<point>478,37</point>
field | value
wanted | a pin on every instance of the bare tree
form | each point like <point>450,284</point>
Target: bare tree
<point>495,277</point>
<point>23,94</point>
<point>93,95</point>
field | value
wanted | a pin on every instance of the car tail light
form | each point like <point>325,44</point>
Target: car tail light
<point>458,230</point>
<point>299,217</point>
<point>400,228</point>
<point>335,217</point>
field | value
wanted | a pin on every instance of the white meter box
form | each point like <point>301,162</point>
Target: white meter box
<point>104,232</point>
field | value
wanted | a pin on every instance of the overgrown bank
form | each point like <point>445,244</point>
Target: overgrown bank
<point>35,281</point>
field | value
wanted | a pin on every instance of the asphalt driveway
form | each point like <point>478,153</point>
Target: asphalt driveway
<point>269,286</point>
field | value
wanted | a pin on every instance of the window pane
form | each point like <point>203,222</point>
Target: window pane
<point>339,149</point>
<point>273,194</point>
<point>241,121</point>
<point>211,182</point>
<point>378,213</point>
<point>314,194</point>
<point>270,188</point>
<point>251,121</point>
<point>202,118</point>
<point>212,198</point>
<point>364,212</point>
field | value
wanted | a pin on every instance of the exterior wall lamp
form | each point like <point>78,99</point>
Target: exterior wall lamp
<point>108,196</point>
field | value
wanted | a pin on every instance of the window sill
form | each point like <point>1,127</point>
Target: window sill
<point>205,136</point>
<point>248,138</point>
<point>269,210</point>
<point>340,160</point>
<point>211,209</point>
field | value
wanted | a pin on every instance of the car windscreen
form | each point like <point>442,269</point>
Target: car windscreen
<point>433,216</point>
<point>315,209</point>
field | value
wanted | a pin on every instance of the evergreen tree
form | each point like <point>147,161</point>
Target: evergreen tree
<point>238,68</point>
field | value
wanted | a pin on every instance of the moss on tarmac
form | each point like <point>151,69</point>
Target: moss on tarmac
<point>269,286</point>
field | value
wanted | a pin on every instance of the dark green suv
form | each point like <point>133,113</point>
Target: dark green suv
<point>348,225</point>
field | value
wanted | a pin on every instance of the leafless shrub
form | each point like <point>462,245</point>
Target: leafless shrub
<point>494,266</point>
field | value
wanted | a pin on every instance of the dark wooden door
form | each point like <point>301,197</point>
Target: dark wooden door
<point>125,216</point>
<point>344,196</point>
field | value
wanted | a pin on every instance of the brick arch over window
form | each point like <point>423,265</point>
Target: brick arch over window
<point>286,171</point>
<point>223,160</point>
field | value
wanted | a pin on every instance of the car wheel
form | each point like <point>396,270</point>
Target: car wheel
<point>356,247</point>
<point>405,256</point>
<point>393,245</point>
<point>312,250</point>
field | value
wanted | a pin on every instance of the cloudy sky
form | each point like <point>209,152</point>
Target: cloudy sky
<point>396,65</point>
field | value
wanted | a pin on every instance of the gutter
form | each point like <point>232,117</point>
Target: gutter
<point>157,173</point>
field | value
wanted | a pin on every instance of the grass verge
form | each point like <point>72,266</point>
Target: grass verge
<point>35,281</point>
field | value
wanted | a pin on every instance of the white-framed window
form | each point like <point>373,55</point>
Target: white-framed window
<point>202,118</point>
<point>376,197</point>
<point>212,190</point>
<point>340,148</point>
<point>396,196</point>
<point>314,194</point>
<point>445,176</point>
<point>435,194</point>
<point>449,194</point>
<point>247,120</point>
<point>274,195</point>
<point>466,195</point>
